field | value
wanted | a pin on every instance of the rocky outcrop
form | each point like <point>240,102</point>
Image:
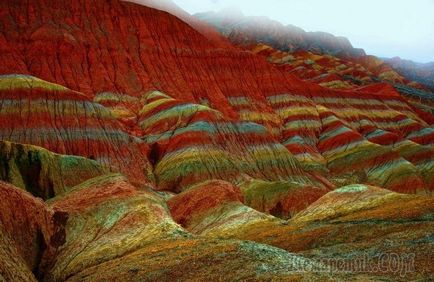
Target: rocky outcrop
<point>30,233</point>
<point>43,173</point>
<point>108,217</point>
<point>213,206</point>
<point>282,199</point>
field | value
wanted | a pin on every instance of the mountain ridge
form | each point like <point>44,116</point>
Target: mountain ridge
<point>245,30</point>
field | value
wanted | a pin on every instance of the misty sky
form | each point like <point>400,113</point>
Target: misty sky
<point>385,28</point>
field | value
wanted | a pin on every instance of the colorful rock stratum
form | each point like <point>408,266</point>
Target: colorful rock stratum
<point>139,144</point>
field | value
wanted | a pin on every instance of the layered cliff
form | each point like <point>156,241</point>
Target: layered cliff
<point>123,47</point>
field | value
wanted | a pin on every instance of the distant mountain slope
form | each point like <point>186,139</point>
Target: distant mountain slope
<point>322,58</point>
<point>422,73</point>
<point>247,30</point>
<point>331,71</point>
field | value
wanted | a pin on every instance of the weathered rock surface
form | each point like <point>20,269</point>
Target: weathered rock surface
<point>116,231</point>
<point>43,173</point>
<point>356,222</point>
<point>30,233</point>
<point>211,206</point>
<point>124,47</point>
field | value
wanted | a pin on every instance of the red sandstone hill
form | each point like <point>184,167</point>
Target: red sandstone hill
<point>204,29</point>
<point>123,47</point>
<point>158,148</point>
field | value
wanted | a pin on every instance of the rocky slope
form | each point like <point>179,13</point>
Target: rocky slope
<point>331,71</point>
<point>157,151</point>
<point>363,73</point>
<point>323,58</point>
<point>350,223</point>
<point>169,6</point>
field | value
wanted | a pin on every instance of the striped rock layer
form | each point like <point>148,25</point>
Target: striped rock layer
<point>191,143</point>
<point>117,52</point>
<point>347,137</point>
<point>332,71</point>
<point>40,113</point>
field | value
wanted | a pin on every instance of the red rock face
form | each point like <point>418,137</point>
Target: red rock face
<point>197,200</point>
<point>204,29</point>
<point>126,49</point>
<point>123,47</point>
<point>29,231</point>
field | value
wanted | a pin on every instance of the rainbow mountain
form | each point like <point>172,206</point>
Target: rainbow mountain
<point>137,143</point>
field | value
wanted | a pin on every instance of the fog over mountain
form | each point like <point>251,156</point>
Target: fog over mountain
<point>383,28</point>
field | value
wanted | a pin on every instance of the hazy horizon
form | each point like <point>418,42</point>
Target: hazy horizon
<point>382,28</point>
